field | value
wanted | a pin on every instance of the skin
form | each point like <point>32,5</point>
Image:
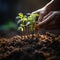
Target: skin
<point>49,15</point>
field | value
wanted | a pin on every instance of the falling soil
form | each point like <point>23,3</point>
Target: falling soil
<point>30,47</point>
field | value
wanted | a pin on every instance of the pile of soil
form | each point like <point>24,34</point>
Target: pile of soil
<point>30,47</point>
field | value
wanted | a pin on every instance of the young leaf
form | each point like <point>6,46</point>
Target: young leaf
<point>22,25</point>
<point>20,15</point>
<point>20,28</point>
<point>19,21</point>
<point>28,23</point>
<point>24,19</point>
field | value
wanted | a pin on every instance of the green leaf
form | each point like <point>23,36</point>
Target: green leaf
<point>19,21</point>
<point>20,15</point>
<point>34,15</point>
<point>20,28</point>
<point>22,25</point>
<point>28,23</point>
<point>24,19</point>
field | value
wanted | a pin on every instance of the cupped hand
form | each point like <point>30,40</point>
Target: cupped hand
<point>49,20</point>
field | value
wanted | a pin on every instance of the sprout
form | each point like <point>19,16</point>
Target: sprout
<point>24,20</point>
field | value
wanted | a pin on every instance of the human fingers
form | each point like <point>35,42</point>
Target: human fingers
<point>47,19</point>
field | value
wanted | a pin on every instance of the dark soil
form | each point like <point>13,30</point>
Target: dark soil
<point>30,47</point>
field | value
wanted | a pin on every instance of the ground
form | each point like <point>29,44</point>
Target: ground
<point>30,47</point>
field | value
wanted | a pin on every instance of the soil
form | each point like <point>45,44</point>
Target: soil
<point>30,47</point>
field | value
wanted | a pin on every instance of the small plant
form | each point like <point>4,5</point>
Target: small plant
<point>27,22</point>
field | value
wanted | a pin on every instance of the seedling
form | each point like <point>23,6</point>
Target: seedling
<point>27,22</point>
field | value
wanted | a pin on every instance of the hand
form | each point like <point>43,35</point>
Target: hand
<point>47,17</point>
<point>41,13</point>
<point>49,20</point>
